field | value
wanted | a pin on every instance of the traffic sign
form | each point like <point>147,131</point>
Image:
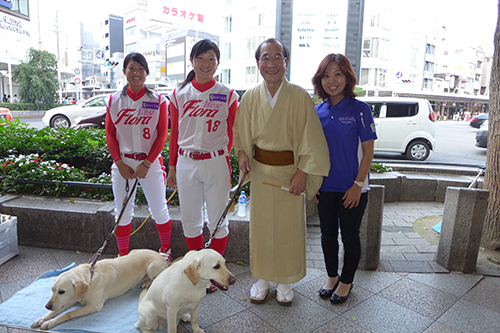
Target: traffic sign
<point>99,54</point>
<point>77,71</point>
<point>78,80</point>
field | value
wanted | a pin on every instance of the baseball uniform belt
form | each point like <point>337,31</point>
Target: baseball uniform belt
<point>137,156</point>
<point>198,155</point>
<point>274,158</point>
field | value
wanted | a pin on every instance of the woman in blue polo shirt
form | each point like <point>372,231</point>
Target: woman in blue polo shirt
<point>350,133</point>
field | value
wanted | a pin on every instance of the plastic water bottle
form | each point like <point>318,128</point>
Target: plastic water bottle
<point>242,204</point>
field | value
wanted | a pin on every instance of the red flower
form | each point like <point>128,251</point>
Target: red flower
<point>88,188</point>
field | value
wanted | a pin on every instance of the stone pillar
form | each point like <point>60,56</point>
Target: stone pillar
<point>462,227</point>
<point>371,228</point>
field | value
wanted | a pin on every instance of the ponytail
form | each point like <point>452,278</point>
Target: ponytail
<point>188,79</point>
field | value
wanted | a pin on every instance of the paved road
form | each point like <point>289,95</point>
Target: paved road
<point>455,143</point>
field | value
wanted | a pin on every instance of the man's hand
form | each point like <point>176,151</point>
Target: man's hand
<point>298,182</point>
<point>243,161</point>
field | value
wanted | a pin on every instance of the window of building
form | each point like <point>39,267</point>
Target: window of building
<point>364,76</point>
<point>130,31</point>
<point>430,49</point>
<point>20,6</point>
<point>106,35</point>
<point>130,48</point>
<point>261,19</point>
<point>427,83</point>
<point>366,48</point>
<point>225,76</point>
<point>228,23</point>
<point>225,51</point>
<point>251,75</point>
<point>252,44</point>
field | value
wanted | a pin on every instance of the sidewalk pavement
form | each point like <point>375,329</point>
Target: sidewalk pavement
<point>409,292</point>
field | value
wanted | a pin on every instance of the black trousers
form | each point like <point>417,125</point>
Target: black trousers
<point>333,214</point>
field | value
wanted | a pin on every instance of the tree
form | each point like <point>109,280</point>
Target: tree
<point>38,77</point>
<point>491,230</point>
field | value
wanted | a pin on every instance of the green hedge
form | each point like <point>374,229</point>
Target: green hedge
<point>29,106</point>
<point>82,154</point>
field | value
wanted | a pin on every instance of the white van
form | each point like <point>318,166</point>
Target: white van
<point>403,125</point>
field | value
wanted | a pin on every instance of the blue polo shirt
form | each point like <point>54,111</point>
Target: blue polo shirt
<point>346,125</point>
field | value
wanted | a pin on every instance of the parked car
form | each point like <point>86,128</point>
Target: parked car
<point>64,116</point>
<point>403,125</point>
<point>476,121</point>
<point>94,120</point>
<point>5,116</point>
<point>482,135</point>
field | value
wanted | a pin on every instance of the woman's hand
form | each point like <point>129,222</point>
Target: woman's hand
<point>351,196</point>
<point>142,170</point>
<point>126,171</point>
<point>171,177</point>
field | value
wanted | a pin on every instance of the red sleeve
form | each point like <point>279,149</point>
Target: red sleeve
<point>162,133</point>
<point>174,135</point>
<point>230,123</point>
<point>111,140</point>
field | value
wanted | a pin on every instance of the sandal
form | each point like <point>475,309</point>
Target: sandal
<point>262,293</point>
<point>281,296</point>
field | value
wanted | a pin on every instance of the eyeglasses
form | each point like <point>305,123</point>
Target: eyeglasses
<point>268,59</point>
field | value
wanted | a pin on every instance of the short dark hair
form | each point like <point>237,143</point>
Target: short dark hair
<point>286,52</point>
<point>345,68</point>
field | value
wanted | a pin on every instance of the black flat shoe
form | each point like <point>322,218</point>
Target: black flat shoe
<point>336,299</point>
<point>327,293</point>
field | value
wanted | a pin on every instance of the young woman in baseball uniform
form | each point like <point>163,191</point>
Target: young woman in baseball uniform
<point>136,132</point>
<point>202,114</point>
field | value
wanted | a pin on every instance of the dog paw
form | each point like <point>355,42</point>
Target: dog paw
<point>186,317</point>
<point>49,324</point>
<point>146,284</point>
<point>37,323</point>
<point>199,331</point>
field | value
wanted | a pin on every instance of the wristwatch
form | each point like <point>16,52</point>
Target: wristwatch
<point>360,184</point>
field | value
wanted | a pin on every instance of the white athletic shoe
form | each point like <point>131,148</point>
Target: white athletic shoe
<point>167,255</point>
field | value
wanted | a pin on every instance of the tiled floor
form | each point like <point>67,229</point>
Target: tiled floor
<point>409,293</point>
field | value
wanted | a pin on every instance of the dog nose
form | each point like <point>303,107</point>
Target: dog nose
<point>48,306</point>
<point>232,280</point>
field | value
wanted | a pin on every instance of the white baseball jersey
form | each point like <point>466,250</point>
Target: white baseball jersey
<point>203,116</point>
<point>135,121</point>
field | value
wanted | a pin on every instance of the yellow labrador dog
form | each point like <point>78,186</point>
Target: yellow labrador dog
<point>112,278</point>
<point>177,292</point>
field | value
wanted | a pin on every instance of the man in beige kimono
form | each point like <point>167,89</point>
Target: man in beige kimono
<point>279,139</point>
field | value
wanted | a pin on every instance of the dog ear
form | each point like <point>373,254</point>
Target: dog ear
<point>80,288</point>
<point>192,272</point>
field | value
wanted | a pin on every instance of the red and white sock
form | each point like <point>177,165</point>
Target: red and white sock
<point>165,233</point>
<point>123,238</point>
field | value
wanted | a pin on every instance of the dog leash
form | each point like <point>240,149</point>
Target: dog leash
<point>96,256</point>
<point>231,200</point>
<point>147,218</point>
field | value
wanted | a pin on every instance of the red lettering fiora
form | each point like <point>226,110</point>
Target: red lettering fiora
<point>197,111</point>
<point>128,118</point>
<point>190,105</point>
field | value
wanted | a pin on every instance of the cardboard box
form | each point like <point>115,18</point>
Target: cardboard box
<point>8,239</point>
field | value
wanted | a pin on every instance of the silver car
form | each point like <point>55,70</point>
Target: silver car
<point>64,116</point>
